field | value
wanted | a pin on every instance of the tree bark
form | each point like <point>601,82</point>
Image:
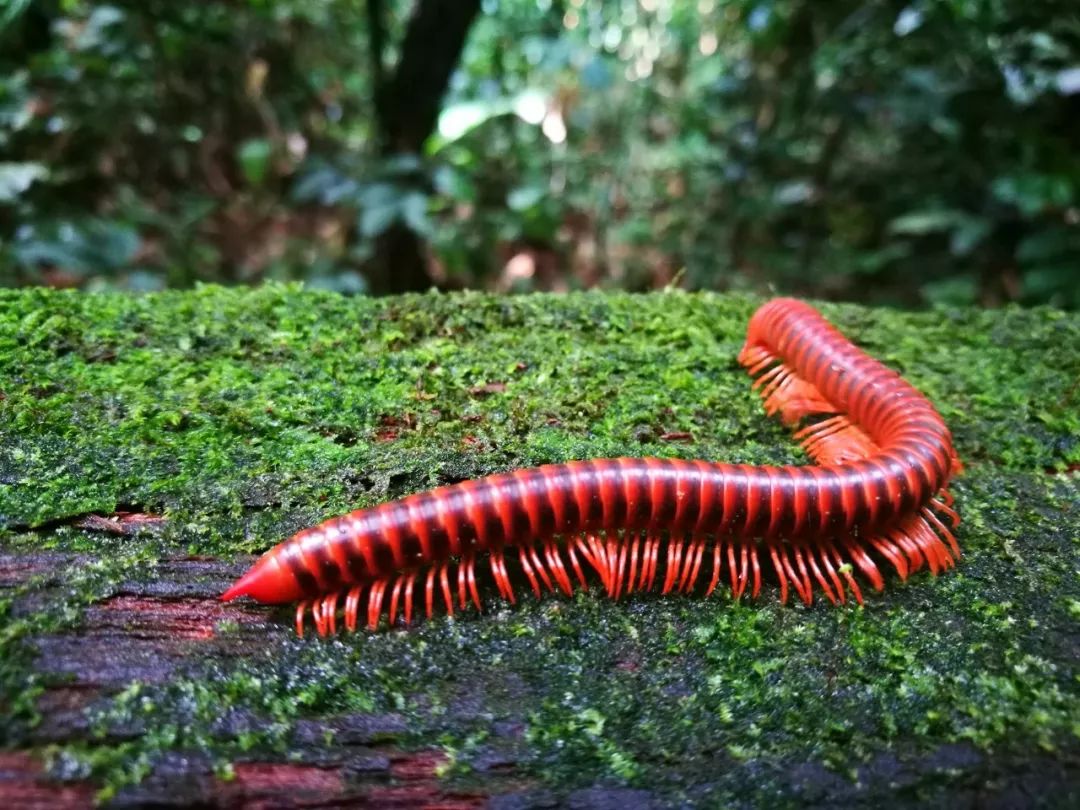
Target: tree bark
<point>407,106</point>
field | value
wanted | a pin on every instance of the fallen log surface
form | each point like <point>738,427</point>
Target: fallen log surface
<point>151,446</point>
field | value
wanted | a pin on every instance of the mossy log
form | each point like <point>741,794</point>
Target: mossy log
<point>149,446</point>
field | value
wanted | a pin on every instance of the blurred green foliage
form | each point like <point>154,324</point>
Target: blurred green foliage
<point>893,152</point>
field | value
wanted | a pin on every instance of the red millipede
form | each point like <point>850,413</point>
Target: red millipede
<point>883,456</point>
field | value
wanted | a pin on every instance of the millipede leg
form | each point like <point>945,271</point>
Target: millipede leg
<point>785,552</point>
<point>395,597</point>
<point>948,512</point>
<point>635,547</point>
<point>907,539</point>
<point>732,569</point>
<point>811,561</point>
<point>558,570</point>
<point>610,552</point>
<point>807,583</point>
<point>814,433</point>
<point>943,531</point>
<point>526,566</point>
<point>718,549</point>
<point>461,583</point>
<point>682,577</point>
<point>918,534</point>
<point>603,563</point>
<point>470,576</point>
<point>669,572</point>
<point>755,566</point>
<point>893,555</point>
<point>744,566</point>
<point>816,428</point>
<point>444,581</point>
<point>756,359</point>
<point>781,573</point>
<point>584,547</point>
<point>766,380</point>
<point>777,392</point>
<point>300,608</point>
<point>572,553</point>
<point>617,551</point>
<point>352,605</point>
<point>692,570</point>
<point>674,564</point>
<point>934,543</point>
<point>502,579</point>
<point>467,581</point>
<point>429,591</point>
<point>845,569</point>
<point>409,583</point>
<point>814,444</point>
<point>330,611</point>
<point>538,564</point>
<point>375,601</point>
<point>865,564</point>
<point>823,558</point>
<point>318,612</point>
<point>654,561</point>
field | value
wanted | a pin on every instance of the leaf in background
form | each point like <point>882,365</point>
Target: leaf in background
<point>401,164</point>
<point>16,109</point>
<point>1068,81</point>
<point>143,281</point>
<point>16,178</point>
<point>875,261</point>
<point>1032,192</point>
<point>86,246</point>
<point>968,234</point>
<point>1052,283</point>
<point>12,11</point>
<point>254,158</point>
<point>597,75</point>
<point>954,291</point>
<point>375,219</point>
<point>346,281</point>
<point>457,120</point>
<point>908,20</point>
<point>1047,244</point>
<point>934,220</point>
<point>525,197</point>
<point>966,231</point>
<point>379,195</point>
<point>414,207</point>
<point>794,193</point>
<point>325,184</point>
<point>96,33</point>
<point>455,184</point>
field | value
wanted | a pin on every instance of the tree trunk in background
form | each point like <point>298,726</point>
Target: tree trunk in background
<point>407,106</point>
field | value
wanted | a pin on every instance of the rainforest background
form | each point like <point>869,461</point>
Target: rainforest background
<point>906,153</point>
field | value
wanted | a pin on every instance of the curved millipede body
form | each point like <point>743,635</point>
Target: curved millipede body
<point>876,493</point>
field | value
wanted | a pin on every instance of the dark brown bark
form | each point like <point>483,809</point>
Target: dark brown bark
<point>151,633</point>
<point>407,108</point>
<point>408,104</point>
<point>400,263</point>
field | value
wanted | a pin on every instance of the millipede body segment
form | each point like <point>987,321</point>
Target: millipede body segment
<point>876,493</point>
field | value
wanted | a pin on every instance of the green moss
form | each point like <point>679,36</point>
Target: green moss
<point>242,415</point>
